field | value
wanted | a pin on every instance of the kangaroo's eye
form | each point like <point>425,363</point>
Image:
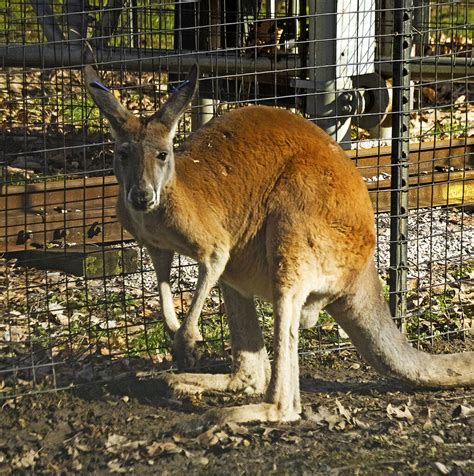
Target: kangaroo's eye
<point>162,156</point>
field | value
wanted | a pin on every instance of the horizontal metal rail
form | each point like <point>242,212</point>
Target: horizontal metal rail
<point>215,63</point>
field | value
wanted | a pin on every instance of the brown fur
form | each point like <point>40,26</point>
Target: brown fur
<point>269,204</point>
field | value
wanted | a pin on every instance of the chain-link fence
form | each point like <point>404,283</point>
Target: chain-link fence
<point>392,81</point>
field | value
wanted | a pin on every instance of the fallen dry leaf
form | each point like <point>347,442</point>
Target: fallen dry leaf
<point>360,424</point>
<point>57,312</point>
<point>237,429</point>
<point>401,413</point>
<point>324,417</point>
<point>442,468</point>
<point>462,463</point>
<point>162,447</point>
<point>428,424</point>
<point>26,460</point>
<point>208,438</point>
<point>342,411</point>
<point>114,443</point>
<point>83,447</point>
<point>463,411</point>
<point>116,467</point>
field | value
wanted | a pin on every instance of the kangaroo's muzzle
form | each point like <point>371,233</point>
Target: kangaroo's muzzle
<point>142,198</point>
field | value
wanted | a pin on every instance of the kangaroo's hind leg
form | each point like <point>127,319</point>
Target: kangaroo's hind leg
<point>282,399</point>
<point>250,367</point>
<point>291,274</point>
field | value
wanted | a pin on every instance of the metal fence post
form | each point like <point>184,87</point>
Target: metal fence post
<point>400,150</point>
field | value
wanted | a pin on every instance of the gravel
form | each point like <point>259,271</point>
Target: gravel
<point>439,240</point>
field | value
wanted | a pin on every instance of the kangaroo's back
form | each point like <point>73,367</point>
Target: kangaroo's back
<point>256,160</point>
<point>256,143</point>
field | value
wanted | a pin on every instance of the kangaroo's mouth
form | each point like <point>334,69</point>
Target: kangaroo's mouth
<point>143,207</point>
<point>142,201</point>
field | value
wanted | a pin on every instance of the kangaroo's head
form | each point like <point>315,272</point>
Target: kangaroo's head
<point>144,159</point>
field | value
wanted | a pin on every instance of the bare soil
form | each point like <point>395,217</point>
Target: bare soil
<point>354,422</point>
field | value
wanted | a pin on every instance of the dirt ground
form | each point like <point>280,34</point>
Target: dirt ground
<point>354,422</point>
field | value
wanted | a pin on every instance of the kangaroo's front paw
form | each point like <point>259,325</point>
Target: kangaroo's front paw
<point>187,350</point>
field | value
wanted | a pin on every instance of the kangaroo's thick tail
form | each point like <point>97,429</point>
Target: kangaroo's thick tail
<point>365,316</point>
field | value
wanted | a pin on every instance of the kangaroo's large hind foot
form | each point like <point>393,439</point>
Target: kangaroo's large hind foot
<point>256,412</point>
<point>189,384</point>
<point>252,413</point>
<point>250,364</point>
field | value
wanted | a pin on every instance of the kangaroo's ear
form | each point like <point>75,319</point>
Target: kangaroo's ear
<point>170,113</point>
<point>105,100</point>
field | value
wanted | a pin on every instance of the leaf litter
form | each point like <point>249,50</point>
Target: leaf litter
<point>370,428</point>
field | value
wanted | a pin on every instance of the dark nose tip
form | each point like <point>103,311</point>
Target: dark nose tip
<point>141,198</point>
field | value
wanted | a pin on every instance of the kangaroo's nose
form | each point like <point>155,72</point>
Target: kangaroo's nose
<point>141,198</point>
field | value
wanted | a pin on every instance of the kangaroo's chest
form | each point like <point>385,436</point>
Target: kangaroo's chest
<point>153,231</point>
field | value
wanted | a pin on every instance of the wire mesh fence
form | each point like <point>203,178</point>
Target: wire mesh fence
<point>392,81</point>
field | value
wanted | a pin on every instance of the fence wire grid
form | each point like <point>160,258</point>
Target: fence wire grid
<point>392,81</point>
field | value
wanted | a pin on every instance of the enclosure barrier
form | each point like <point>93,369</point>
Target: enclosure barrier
<point>391,80</point>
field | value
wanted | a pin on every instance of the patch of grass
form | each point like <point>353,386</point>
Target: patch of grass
<point>111,322</point>
<point>40,336</point>
<point>465,270</point>
<point>19,23</point>
<point>457,16</point>
<point>448,128</point>
<point>155,23</point>
<point>148,340</point>
<point>215,331</point>
<point>439,317</point>
<point>21,179</point>
<point>443,311</point>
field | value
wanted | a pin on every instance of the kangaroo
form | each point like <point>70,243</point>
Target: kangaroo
<point>268,205</point>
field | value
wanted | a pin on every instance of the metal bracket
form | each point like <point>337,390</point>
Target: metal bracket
<point>374,100</point>
<point>368,102</point>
